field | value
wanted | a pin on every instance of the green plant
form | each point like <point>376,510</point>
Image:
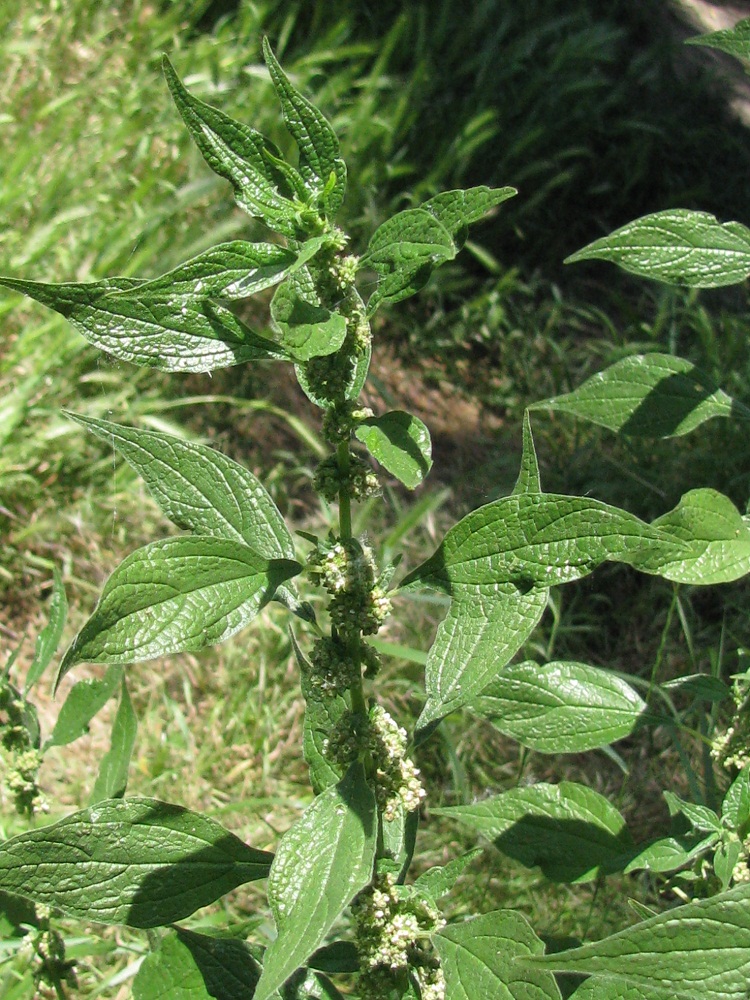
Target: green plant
<point>337,884</point>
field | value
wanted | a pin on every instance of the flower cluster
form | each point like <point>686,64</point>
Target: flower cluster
<point>392,930</point>
<point>332,670</point>
<point>340,420</point>
<point>347,571</point>
<point>358,482</point>
<point>396,778</point>
<point>19,756</point>
<point>732,748</point>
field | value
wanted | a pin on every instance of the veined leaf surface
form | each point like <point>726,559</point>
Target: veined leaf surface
<point>735,41</point>
<point>401,443</point>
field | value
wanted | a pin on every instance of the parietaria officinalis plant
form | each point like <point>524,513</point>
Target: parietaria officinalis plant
<point>338,884</point>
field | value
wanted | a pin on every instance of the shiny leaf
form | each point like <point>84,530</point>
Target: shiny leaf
<point>401,443</point>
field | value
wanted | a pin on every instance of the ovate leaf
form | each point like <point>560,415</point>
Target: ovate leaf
<point>479,958</point>
<point>306,328</point>
<point>325,380</point>
<point>321,715</point>
<point>322,862</point>
<point>456,210</point>
<point>189,966</point>
<point>715,538</point>
<point>85,699</point>
<point>401,443</point>
<point>570,831</point>
<point>239,154</point>
<point>735,809</point>
<point>198,488</point>
<point>320,164</point>
<point>135,861</point>
<point>692,952</point>
<point>648,395</point>
<point>112,779</point>
<point>176,595</point>
<point>536,539</point>
<point>479,635</point>
<point>172,333</point>
<point>735,41</point>
<point>49,638</point>
<point>560,707</point>
<point>437,882</point>
<point>677,246</point>
<point>668,854</point>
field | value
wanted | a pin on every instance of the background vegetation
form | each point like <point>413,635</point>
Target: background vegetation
<point>597,115</point>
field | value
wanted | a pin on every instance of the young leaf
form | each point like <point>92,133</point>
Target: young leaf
<point>735,41</point>
<point>570,831</point>
<point>49,638</point>
<point>401,443</point>
<point>307,329</point>
<point>714,536</point>
<point>135,861</point>
<point>325,380</point>
<point>668,854</point>
<point>537,540</point>
<point>198,488</point>
<point>560,707</point>
<point>698,816</point>
<point>725,859</point>
<point>321,715</point>
<point>479,635</point>
<point>735,809</point>
<point>648,395</point>
<point>239,154</point>
<point>439,881</point>
<point>679,247</point>
<point>112,779</point>
<point>479,958</point>
<point>692,952</point>
<point>400,841</point>
<point>176,595</point>
<point>322,862</point>
<point>84,701</point>
<point>320,164</point>
<point>172,333</point>
<point>408,247</point>
<point>529,480</point>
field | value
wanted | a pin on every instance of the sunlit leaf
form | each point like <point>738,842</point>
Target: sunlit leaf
<point>401,443</point>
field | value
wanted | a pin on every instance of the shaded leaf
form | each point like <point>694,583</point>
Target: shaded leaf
<point>735,809</point>
<point>134,861</point>
<point>198,488</point>
<point>401,443</point>
<point>439,881</point>
<point>239,154</point>
<point>479,958</point>
<point>677,246</point>
<point>322,862</point>
<point>648,395</point>
<point>85,699</point>
<point>699,686</point>
<point>735,41</point>
<point>692,952</point>
<point>176,595</point>
<point>307,329</point>
<point>49,638</point>
<point>561,707</point>
<point>174,334</point>
<point>668,854</point>
<point>112,779</point>
<point>570,831</point>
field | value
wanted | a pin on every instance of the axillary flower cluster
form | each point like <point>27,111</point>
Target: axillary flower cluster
<point>20,756</point>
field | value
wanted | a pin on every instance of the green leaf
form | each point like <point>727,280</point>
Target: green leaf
<point>735,41</point>
<point>478,636</point>
<point>701,686</point>
<point>668,854</point>
<point>439,881</point>
<point>172,333</point>
<point>405,249</point>
<point>714,536</point>
<point>698,816</point>
<point>325,380</point>
<point>176,595</point>
<point>529,480</point>
<point>560,707</point>
<point>537,540</point>
<point>401,443</point>
<point>648,395</point>
<point>400,841</point>
<point>198,488</point>
<point>339,956</point>
<point>322,862</point>
<point>726,856</point>
<point>321,715</point>
<point>735,809</point>
<point>479,958</point>
<point>112,779</point>
<point>134,861</point>
<point>49,638</point>
<point>239,154</point>
<point>85,699</point>
<point>679,247</point>
<point>693,952</point>
<point>596,988</point>
<point>571,832</point>
<point>189,966</point>
<point>320,164</point>
<point>307,329</point>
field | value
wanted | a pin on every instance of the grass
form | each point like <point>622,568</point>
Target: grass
<point>102,180</point>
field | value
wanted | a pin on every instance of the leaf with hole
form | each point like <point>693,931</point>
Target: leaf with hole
<point>648,395</point>
<point>677,246</point>
<point>560,707</point>
<point>137,861</point>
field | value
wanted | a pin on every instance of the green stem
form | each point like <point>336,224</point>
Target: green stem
<point>345,503</point>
